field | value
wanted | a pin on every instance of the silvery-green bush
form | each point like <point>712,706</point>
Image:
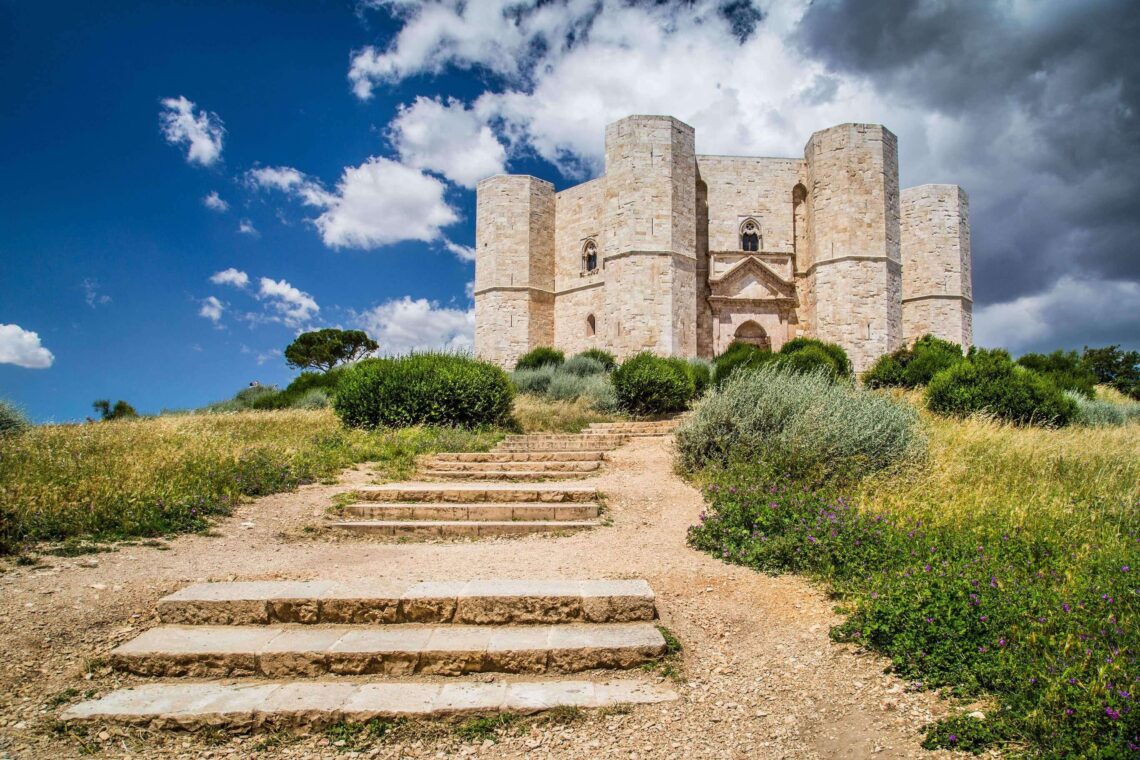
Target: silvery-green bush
<point>1096,413</point>
<point>12,420</point>
<point>534,381</point>
<point>582,366</point>
<point>805,424</point>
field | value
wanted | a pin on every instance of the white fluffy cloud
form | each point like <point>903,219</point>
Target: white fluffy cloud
<point>1071,313</point>
<point>231,276</point>
<point>293,306</point>
<point>23,348</point>
<point>200,131</point>
<point>407,324</point>
<point>246,227</point>
<point>214,202</point>
<point>464,252</point>
<point>448,139</point>
<point>212,309</point>
<point>377,203</point>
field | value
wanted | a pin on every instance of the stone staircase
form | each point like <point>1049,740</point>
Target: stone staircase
<point>296,653</point>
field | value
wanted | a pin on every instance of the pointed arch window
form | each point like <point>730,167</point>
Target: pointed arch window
<point>750,236</point>
<point>589,257</point>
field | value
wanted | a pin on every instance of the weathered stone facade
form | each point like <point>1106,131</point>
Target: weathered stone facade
<point>681,254</point>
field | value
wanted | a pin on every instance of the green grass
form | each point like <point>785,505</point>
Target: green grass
<point>166,475</point>
<point>1003,567</point>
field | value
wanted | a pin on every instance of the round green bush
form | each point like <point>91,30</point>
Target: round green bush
<point>888,371</point>
<point>606,359</point>
<point>423,389</point>
<point>12,421</point>
<point>810,359</point>
<point>582,366</point>
<point>539,357</point>
<point>838,356</point>
<point>701,372</point>
<point>990,383</point>
<point>646,385</point>
<point>738,355</point>
<point>913,366</point>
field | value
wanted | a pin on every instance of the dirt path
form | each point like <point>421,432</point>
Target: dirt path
<point>760,677</point>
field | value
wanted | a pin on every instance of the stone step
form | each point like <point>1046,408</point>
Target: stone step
<point>242,706</point>
<point>507,466</point>
<point>522,456</point>
<point>470,493</point>
<point>514,475</point>
<point>459,528</point>
<point>631,424</point>
<point>479,512</point>
<point>533,437</point>
<point>584,443</point>
<point>479,602</point>
<point>394,650</point>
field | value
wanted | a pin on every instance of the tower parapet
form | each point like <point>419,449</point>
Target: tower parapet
<point>514,267</point>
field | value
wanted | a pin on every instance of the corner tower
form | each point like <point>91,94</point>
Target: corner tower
<point>854,274</point>
<point>937,295</point>
<point>649,236</point>
<point>514,267</point>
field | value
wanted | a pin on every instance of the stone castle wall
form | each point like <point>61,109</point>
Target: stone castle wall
<point>870,267</point>
<point>937,292</point>
<point>853,197</point>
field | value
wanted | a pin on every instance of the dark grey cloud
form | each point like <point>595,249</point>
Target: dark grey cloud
<point>1046,100</point>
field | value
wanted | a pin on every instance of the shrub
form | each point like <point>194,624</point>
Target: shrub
<point>646,385</point>
<point>539,357</point>
<point>535,381</point>
<point>1120,369</point>
<point>701,372</point>
<point>12,420</point>
<point>1065,369</point>
<point>796,423</point>
<point>120,410</point>
<point>913,366</point>
<point>1099,413</point>
<point>809,360</point>
<point>605,357</point>
<point>990,383</point>
<point>836,352</point>
<point>423,389</point>
<point>314,398</point>
<point>582,366</point>
<point>596,388</point>
<point>737,356</point>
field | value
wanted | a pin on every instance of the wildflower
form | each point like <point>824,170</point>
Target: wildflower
<point>953,738</point>
<point>982,618</point>
<point>1125,569</point>
<point>1112,714</point>
<point>1001,642</point>
<point>926,568</point>
<point>1066,607</point>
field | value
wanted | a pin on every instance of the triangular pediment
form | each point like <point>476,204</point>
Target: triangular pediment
<point>751,279</point>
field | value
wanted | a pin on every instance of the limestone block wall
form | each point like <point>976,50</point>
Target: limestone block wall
<point>704,316</point>
<point>649,236</point>
<point>514,266</point>
<point>777,323</point>
<point>578,217</point>
<point>572,309</point>
<point>739,188</point>
<point>854,236</point>
<point>937,288</point>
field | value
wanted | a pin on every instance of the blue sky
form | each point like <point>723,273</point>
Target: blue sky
<point>343,141</point>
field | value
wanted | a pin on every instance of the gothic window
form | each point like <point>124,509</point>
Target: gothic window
<point>750,236</point>
<point>590,326</point>
<point>590,257</point>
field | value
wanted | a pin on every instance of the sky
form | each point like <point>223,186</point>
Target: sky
<point>187,186</point>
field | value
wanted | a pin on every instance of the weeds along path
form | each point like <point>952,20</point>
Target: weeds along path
<point>757,677</point>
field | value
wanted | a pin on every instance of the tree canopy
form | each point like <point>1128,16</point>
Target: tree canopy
<point>324,349</point>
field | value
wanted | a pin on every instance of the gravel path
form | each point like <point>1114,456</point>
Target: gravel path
<point>759,677</point>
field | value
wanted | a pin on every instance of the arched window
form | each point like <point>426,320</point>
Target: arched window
<point>751,332</point>
<point>591,326</point>
<point>590,257</point>
<point>750,235</point>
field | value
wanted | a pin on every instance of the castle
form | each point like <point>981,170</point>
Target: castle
<point>681,254</point>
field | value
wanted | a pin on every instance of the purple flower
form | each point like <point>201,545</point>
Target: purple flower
<point>983,618</point>
<point>1125,569</point>
<point>1001,642</point>
<point>1066,607</point>
<point>953,738</point>
<point>1112,714</point>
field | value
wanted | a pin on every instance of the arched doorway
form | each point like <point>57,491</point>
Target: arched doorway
<point>753,333</point>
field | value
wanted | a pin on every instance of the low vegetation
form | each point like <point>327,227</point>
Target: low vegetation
<point>648,385</point>
<point>989,382</point>
<point>12,420</point>
<point>582,377</point>
<point>540,357</point>
<point>913,366</point>
<point>423,389</point>
<point>798,355</point>
<point>156,476</point>
<point>535,414</point>
<point>999,565</point>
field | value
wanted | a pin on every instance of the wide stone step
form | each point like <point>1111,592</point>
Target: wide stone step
<point>514,475</point>
<point>459,528</point>
<point>569,437</point>
<point>480,512</point>
<point>470,493</point>
<point>522,456</point>
<point>618,427</point>
<point>192,706</point>
<point>393,650</point>
<point>479,602</point>
<point>556,466</point>
<point>584,443</point>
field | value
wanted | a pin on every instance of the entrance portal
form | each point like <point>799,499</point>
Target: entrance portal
<point>752,333</point>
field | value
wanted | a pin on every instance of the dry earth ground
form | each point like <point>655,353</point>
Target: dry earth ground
<point>759,679</point>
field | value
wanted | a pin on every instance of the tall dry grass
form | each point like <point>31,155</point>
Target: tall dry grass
<point>167,474</point>
<point>536,414</point>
